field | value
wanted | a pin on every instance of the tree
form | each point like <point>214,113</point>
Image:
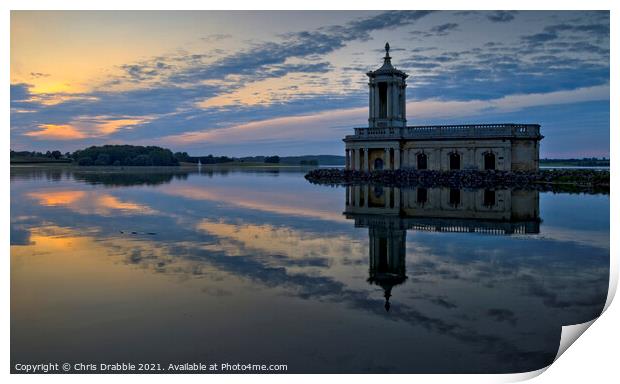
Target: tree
<point>182,156</point>
<point>272,159</point>
<point>141,160</point>
<point>102,159</point>
<point>85,161</point>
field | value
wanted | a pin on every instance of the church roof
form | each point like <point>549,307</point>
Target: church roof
<point>387,68</point>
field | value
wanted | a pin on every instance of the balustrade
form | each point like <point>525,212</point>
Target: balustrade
<point>449,131</point>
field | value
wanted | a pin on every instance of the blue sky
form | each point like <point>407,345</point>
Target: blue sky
<point>291,83</point>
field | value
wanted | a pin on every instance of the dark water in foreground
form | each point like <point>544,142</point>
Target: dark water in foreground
<point>263,267</point>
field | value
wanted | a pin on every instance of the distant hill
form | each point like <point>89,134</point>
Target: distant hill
<point>320,159</point>
<point>585,162</point>
<point>297,160</point>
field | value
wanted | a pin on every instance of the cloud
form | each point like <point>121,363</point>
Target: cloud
<point>538,38</point>
<point>39,74</point>
<point>20,92</point>
<point>444,29</point>
<point>216,37</point>
<point>85,127</point>
<point>501,16</point>
<point>334,124</point>
<point>57,132</point>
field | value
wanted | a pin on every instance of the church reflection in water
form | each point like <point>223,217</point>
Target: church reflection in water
<point>388,212</point>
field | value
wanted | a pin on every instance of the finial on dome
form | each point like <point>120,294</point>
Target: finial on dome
<point>387,62</point>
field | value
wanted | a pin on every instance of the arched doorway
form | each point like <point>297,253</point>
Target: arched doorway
<point>455,161</point>
<point>422,161</point>
<point>378,164</point>
<point>489,161</point>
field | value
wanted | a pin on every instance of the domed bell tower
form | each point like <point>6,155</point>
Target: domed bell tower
<point>387,95</point>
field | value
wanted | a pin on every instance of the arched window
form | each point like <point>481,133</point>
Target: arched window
<point>421,160</point>
<point>422,196</point>
<point>378,164</point>
<point>489,161</point>
<point>455,161</point>
<point>455,197</point>
<point>489,198</point>
<point>383,97</point>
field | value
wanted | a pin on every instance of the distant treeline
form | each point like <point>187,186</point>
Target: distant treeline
<point>102,155</point>
<point>39,157</point>
<point>286,160</point>
<point>210,159</point>
<point>585,162</point>
<point>132,155</point>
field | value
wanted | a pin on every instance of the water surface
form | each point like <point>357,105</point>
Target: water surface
<point>259,266</point>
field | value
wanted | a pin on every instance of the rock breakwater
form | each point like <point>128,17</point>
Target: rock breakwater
<point>571,180</point>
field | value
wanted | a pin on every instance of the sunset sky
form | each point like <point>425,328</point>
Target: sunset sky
<point>293,83</point>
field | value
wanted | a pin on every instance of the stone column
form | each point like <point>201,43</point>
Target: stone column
<point>387,159</point>
<point>396,158</point>
<point>390,101</point>
<point>411,159</point>
<point>397,198</point>
<point>347,160</point>
<point>395,105</point>
<point>376,107</point>
<point>366,165</point>
<point>356,156</point>
<point>366,195</point>
<point>403,112</point>
<point>369,101</point>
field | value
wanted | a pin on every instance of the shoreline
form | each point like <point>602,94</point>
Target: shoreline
<point>182,166</point>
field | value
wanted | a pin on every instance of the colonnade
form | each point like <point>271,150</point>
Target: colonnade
<point>357,159</point>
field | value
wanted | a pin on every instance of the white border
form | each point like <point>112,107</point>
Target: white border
<point>593,359</point>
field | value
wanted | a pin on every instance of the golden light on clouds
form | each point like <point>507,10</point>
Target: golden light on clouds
<point>86,127</point>
<point>271,90</point>
<point>107,127</point>
<point>57,132</point>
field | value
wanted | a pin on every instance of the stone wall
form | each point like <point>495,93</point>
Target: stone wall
<point>525,155</point>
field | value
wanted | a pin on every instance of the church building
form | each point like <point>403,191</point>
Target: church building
<point>388,143</point>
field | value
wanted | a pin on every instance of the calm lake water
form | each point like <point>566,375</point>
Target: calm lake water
<point>262,267</point>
